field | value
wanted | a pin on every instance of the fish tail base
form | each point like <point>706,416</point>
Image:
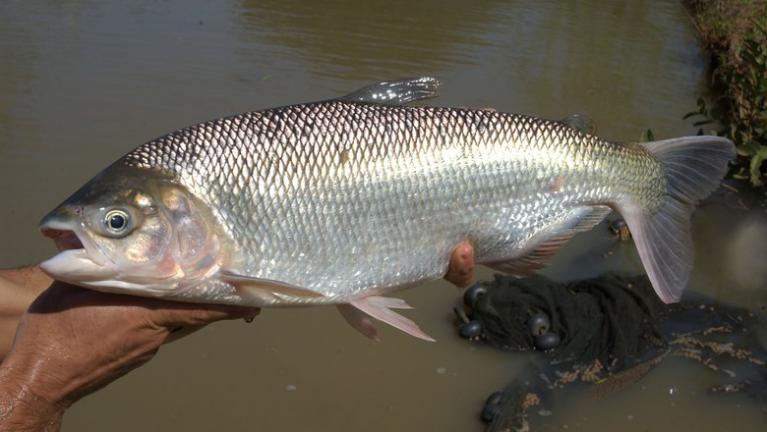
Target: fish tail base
<point>693,168</point>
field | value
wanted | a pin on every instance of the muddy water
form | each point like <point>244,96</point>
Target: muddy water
<point>82,82</point>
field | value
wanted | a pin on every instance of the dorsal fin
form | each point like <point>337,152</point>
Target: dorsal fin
<point>579,220</point>
<point>397,92</point>
<point>580,122</point>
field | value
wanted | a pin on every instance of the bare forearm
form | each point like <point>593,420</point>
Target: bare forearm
<point>31,277</point>
<point>18,288</point>
<point>23,409</point>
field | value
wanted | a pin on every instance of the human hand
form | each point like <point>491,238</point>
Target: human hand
<point>460,271</point>
<point>73,341</point>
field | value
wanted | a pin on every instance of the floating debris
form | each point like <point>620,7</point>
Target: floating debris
<point>619,228</point>
<point>470,330</point>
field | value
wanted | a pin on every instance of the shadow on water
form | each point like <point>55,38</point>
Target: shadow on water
<point>84,82</point>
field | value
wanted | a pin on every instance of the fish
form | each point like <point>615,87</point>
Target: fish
<point>346,201</point>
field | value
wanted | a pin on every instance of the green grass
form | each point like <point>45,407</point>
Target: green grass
<point>735,33</point>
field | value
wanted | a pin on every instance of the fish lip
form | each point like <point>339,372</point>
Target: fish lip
<point>75,266</point>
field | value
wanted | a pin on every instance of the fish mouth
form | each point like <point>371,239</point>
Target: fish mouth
<point>81,261</point>
<point>78,259</point>
<point>64,239</point>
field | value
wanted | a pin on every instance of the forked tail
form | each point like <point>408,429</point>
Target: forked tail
<point>694,166</point>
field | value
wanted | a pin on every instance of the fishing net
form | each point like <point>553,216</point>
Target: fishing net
<point>613,319</point>
<point>610,330</point>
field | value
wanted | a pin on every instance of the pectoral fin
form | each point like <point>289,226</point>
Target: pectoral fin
<point>267,288</point>
<point>380,308</point>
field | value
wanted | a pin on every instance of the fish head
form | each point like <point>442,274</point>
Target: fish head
<point>133,231</point>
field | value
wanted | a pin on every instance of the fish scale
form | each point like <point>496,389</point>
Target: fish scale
<point>336,196</point>
<point>343,201</point>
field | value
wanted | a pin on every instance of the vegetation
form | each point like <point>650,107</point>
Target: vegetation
<point>735,32</point>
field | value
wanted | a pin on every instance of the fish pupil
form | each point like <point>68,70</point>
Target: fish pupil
<point>117,222</point>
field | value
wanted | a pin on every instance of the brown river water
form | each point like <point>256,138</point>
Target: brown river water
<point>82,82</point>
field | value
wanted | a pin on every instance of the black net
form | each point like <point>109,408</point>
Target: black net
<point>611,329</point>
<point>612,318</point>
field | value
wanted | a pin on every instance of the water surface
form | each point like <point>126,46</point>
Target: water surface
<point>85,81</point>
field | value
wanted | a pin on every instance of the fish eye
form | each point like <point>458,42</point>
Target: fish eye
<point>116,221</point>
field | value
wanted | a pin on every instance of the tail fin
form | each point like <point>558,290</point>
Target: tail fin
<point>694,167</point>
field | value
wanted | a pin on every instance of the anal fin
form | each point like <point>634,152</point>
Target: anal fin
<point>380,308</point>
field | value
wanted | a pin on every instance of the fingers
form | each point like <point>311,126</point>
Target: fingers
<point>182,321</point>
<point>162,313</point>
<point>187,315</point>
<point>177,333</point>
<point>460,272</point>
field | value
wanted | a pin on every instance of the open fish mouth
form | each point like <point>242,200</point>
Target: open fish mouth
<point>82,262</point>
<point>64,239</point>
<point>78,260</point>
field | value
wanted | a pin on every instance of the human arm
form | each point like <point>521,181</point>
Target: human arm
<point>73,341</point>
<point>18,289</point>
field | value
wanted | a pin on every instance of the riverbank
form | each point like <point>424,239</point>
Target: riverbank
<point>735,33</point>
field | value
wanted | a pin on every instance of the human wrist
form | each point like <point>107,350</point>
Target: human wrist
<point>24,405</point>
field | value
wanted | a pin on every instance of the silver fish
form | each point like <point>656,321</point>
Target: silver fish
<point>344,201</point>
